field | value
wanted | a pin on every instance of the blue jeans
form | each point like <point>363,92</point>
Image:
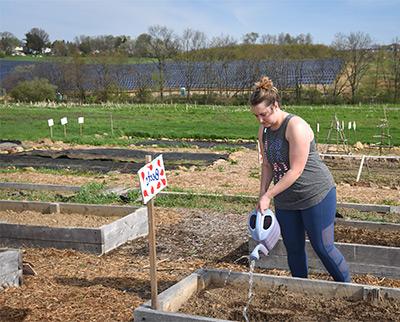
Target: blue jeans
<point>318,222</point>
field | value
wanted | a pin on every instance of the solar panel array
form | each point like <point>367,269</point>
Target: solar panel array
<point>239,74</point>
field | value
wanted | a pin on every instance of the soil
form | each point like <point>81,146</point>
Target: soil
<point>74,286</point>
<point>239,174</point>
<point>279,304</point>
<point>54,220</point>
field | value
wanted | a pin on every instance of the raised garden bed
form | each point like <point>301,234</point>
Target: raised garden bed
<point>10,268</point>
<point>215,295</point>
<point>364,257</point>
<point>107,227</point>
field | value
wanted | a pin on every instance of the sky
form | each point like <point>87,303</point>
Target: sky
<point>66,19</point>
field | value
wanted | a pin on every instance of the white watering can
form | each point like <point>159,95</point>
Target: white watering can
<point>264,229</point>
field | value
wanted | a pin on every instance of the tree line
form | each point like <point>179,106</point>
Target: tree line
<point>370,72</point>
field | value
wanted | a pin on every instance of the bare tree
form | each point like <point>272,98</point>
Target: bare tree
<point>163,45</point>
<point>191,42</point>
<point>355,50</point>
<point>394,62</point>
<point>269,39</point>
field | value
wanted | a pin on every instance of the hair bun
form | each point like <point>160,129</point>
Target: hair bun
<point>266,84</point>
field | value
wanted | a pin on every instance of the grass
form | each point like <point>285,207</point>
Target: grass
<point>132,122</point>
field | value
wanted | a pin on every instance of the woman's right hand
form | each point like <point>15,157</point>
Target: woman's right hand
<point>263,203</point>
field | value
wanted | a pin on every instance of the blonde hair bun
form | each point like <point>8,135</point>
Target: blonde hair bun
<point>266,84</point>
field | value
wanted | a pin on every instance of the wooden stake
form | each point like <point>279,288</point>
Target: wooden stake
<point>51,132</point>
<point>152,249</point>
<point>112,126</point>
<point>65,131</point>
<point>360,169</point>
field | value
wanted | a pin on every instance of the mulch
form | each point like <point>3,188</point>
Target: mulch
<point>74,286</point>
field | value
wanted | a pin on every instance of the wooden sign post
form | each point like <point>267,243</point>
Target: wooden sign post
<point>152,180</point>
<point>81,120</point>
<point>64,122</point>
<point>50,122</point>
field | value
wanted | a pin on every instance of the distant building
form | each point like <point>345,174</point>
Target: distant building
<point>18,51</point>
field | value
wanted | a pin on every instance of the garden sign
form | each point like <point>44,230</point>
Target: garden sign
<point>152,178</point>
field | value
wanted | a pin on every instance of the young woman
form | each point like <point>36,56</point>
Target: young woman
<point>304,191</point>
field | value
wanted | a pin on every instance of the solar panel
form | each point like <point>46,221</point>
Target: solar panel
<point>236,74</point>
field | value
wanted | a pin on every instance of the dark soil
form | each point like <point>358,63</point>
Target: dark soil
<point>104,160</point>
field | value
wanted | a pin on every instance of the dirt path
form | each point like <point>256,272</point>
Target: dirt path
<point>237,175</point>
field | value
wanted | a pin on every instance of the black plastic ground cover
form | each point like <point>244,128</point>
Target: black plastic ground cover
<point>200,144</point>
<point>123,155</point>
<point>103,160</point>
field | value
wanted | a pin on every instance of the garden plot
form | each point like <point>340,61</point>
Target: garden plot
<point>89,228</point>
<point>103,160</point>
<point>369,248</point>
<point>217,295</point>
<point>10,268</point>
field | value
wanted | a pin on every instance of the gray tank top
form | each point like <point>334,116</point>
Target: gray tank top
<point>314,183</point>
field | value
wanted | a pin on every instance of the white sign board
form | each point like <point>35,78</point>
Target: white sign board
<point>64,121</point>
<point>81,120</point>
<point>152,178</point>
<point>50,122</point>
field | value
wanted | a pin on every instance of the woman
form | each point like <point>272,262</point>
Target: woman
<point>304,191</point>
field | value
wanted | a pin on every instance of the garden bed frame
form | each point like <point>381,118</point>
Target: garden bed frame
<point>174,297</point>
<point>362,259</point>
<point>10,268</point>
<point>131,225</point>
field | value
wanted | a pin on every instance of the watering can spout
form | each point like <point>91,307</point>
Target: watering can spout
<point>255,253</point>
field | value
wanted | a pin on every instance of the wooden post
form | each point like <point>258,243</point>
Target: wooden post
<point>80,129</point>
<point>51,132</point>
<point>152,249</point>
<point>65,131</point>
<point>360,169</point>
<point>112,126</point>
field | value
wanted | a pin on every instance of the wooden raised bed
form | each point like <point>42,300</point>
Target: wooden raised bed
<point>131,225</point>
<point>380,261</point>
<point>175,297</point>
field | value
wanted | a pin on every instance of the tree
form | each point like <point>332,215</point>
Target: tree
<point>163,45</point>
<point>190,44</point>
<point>8,42</point>
<point>142,45</point>
<point>250,38</point>
<point>35,90</point>
<point>36,40</point>
<point>394,62</point>
<point>84,44</point>
<point>354,48</point>
<point>59,48</point>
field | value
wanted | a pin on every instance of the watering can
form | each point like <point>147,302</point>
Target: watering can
<point>264,229</point>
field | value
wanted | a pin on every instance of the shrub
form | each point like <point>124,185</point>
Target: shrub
<point>36,90</point>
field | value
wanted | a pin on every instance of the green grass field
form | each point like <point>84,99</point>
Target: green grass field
<point>29,122</point>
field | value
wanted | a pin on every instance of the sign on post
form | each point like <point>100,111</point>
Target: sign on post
<point>64,122</point>
<point>152,180</point>
<point>81,120</point>
<point>50,122</point>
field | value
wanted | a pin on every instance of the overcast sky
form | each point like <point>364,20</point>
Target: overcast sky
<point>65,19</point>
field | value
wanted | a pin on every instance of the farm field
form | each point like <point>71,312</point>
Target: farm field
<point>192,231</point>
<point>125,124</point>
